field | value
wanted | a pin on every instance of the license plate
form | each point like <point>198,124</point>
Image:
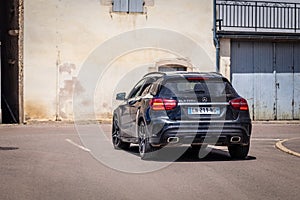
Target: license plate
<point>203,110</point>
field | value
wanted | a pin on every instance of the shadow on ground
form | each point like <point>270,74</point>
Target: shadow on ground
<point>8,148</point>
<point>190,155</point>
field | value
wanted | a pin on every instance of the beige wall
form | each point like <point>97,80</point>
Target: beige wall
<point>60,36</point>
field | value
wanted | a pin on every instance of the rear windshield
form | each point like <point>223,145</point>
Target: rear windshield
<point>206,87</point>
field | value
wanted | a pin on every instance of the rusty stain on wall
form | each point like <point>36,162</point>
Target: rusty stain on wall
<point>67,67</point>
<point>35,110</point>
<point>67,83</point>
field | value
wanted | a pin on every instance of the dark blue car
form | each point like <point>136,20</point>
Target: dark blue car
<point>182,108</point>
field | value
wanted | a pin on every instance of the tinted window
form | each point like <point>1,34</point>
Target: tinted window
<point>208,87</point>
<point>136,90</point>
<point>146,90</point>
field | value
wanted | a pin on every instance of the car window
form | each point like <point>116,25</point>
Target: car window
<point>146,90</point>
<point>208,87</point>
<point>136,90</point>
<point>146,87</point>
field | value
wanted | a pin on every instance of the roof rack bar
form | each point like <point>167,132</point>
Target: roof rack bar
<point>153,73</point>
<point>217,73</point>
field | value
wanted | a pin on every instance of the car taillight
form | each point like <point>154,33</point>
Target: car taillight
<point>239,104</point>
<point>197,78</point>
<point>163,104</point>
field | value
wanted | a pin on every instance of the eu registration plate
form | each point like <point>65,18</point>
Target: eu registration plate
<point>203,110</point>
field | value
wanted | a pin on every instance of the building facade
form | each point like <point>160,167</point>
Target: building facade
<point>61,37</point>
<point>64,57</point>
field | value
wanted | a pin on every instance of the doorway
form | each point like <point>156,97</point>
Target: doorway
<point>11,25</point>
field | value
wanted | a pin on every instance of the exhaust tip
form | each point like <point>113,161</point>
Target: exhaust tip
<point>173,140</point>
<point>235,139</point>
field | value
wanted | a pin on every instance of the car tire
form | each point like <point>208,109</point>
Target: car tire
<point>146,150</point>
<point>238,151</point>
<point>197,148</point>
<point>116,137</point>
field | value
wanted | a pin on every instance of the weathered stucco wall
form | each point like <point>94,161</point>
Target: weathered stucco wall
<point>60,36</point>
<point>225,57</point>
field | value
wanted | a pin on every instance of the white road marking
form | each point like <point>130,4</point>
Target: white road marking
<point>77,145</point>
<point>265,139</point>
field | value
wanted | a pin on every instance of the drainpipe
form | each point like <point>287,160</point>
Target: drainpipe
<point>216,39</point>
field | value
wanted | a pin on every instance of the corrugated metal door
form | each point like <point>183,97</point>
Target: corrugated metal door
<point>284,80</point>
<point>264,90</point>
<point>242,71</point>
<point>253,78</point>
<point>296,69</point>
<point>267,75</point>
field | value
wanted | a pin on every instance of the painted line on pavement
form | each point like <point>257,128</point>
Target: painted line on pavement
<point>279,145</point>
<point>77,145</point>
<point>265,139</point>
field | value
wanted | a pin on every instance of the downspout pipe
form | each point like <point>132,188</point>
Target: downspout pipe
<point>216,39</point>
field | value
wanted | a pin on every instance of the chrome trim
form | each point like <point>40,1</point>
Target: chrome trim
<point>233,139</point>
<point>202,121</point>
<point>173,140</point>
<point>204,104</point>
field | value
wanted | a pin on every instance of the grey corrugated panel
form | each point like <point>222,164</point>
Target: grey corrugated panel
<point>264,91</point>
<point>285,95</point>
<point>296,107</point>
<point>297,58</point>
<point>284,57</point>
<point>267,69</point>
<point>296,81</point>
<point>241,57</point>
<point>263,57</point>
<point>264,96</point>
<point>284,80</point>
<point>263,84</point>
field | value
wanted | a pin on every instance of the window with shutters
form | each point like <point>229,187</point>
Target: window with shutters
<point>128,6</point>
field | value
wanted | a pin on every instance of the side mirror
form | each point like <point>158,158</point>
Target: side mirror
<point>121,96</point>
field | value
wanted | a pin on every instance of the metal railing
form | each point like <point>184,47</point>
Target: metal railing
<point>258,15</point>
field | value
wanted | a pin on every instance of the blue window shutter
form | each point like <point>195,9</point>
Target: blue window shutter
<point>136,6</point>
<point>120,6</point>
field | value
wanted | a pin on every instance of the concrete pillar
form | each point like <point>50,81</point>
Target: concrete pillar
<point>225,57</point>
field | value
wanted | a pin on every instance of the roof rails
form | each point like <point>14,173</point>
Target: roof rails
<point>155,73</point>
<point>217,73</point>
<point>180,72</point>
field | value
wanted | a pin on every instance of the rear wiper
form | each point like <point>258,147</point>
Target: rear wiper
<point>195,91</point>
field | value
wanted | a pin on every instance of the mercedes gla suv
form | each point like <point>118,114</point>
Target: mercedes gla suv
<point>182,108</point>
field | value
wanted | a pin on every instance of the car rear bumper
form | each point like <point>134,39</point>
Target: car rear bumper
<point>224,133</point>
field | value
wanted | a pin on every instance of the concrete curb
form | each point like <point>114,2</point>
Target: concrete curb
<point>279,145</point>
<point>280,122</point>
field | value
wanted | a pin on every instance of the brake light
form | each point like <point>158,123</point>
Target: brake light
<point>197,78</point>
<point>239,104</point>
<point>163,104</point>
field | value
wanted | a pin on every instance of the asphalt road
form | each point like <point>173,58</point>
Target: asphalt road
<point>48,161</point>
